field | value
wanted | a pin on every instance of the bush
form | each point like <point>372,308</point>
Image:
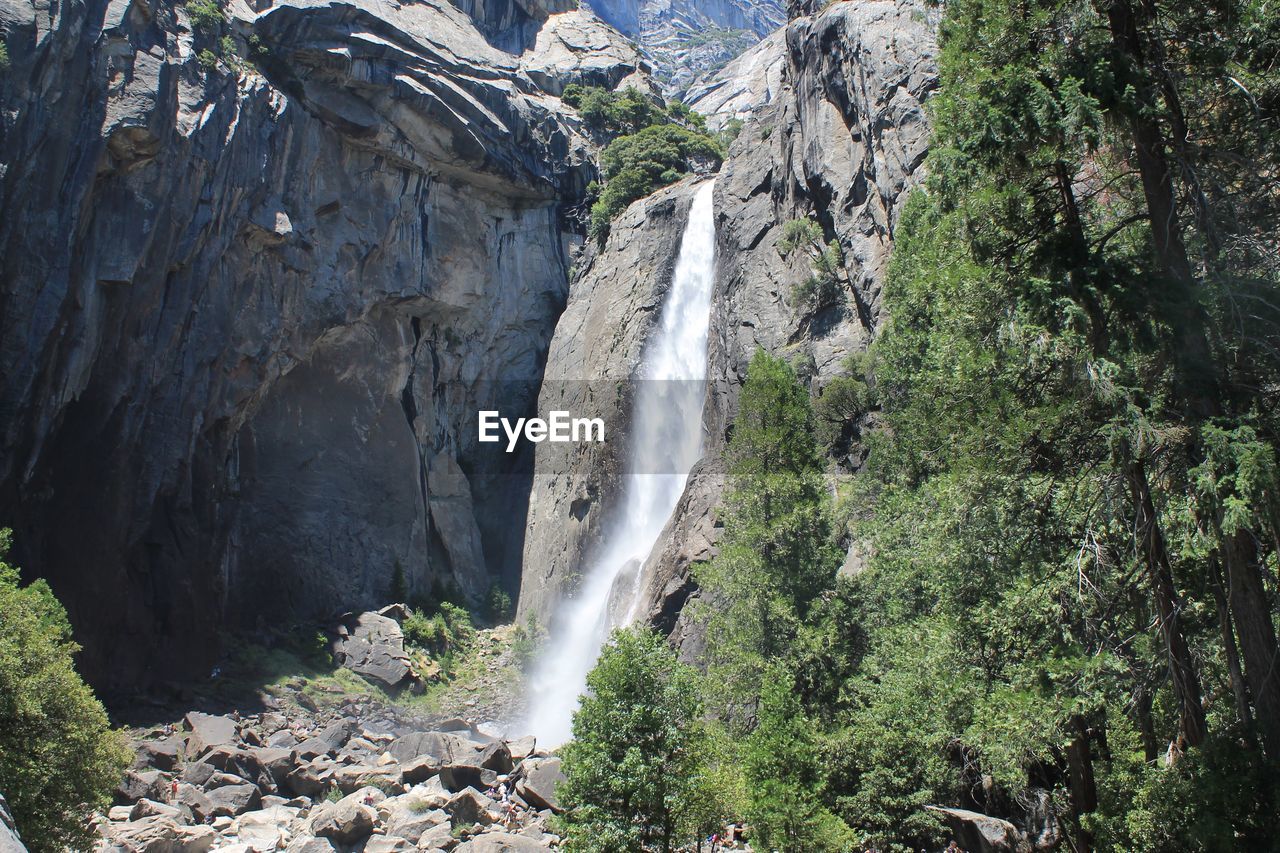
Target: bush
<point>650,145</point>
<point>642,162</point>
<point>637,748</point>
<point>59,758</point>
<point>443,636</point>
<point>499,602</point>
<point>822,287</point>
<point>207,16</point>
<point>527,641</point>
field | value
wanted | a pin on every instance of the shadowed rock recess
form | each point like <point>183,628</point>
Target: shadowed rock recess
<point>246,303</point>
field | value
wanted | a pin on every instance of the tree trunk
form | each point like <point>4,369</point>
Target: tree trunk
<point>1182,671</point>
<point>1238,688</point>
<point>1084,790</point>
<point>1248,600</point>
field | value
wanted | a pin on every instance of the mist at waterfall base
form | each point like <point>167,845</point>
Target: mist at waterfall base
<point>665,443</point>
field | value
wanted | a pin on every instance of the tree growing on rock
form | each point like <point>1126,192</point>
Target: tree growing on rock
<point>633,766</point>
<point>59,757</point>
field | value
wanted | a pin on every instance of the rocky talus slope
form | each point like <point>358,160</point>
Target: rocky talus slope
<point>835,130</point>
<point>355,777</point>
<point>256,277</point>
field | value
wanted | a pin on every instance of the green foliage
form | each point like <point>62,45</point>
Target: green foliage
<point>639,163</point>
<point>444,636</point>
<point>399,592</point>
<point>821,288</point>
<point>785,778</point>
<point>207,16</point>
<point>729,133</point>
<point>776,555</point>
<point>527,641</point>
<point>59,757</point>
<point>799,234</point>
<point>4,57</point>
<point>208,60</point>
<point>842,402</point>
<point>498,602</point>
<point>633,767</point>
<point>649,145</point>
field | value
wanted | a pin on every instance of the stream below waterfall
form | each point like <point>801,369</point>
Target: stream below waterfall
<point>664,445</point>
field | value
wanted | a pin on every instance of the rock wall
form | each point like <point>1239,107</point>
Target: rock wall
<point>613,304</point>
<point>835,129</point>
<point>249,306</point>
<point>686,40</point>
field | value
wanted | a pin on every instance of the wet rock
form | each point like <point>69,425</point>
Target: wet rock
<point>522,748</point>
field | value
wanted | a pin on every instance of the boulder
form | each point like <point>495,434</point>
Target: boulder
<point>138,784</point>
<point>158,754</point>
<point>310,844</point>
<point>234,800</point>
<point>412,819</point>
<point>522,748</point>
<point>387,844</point>
<point>496,757</point>
<point>419,769</point>
<point>276,762</point>
<point>161,835</point>
<point>195,800</point>
<point>501,842</point>
<point>207,730</point>
<point>150,808</point>
<point>469,806</point>
<point>438,838</point>
<point>444,747</point>
<point>352,777</point>
<point>345,822</point>
<point>538,781</point>
<point>983,833</point>
<point>372,646</point>
<point>241,763</point>
<point>198,773</point>
<point>266,829</point>
<point>309,780</point>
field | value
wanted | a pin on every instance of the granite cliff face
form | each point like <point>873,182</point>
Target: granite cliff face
<point>687,40</point>
<point>250,306</point>
<point>834,128</point>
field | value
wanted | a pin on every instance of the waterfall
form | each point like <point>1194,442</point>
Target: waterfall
<point>665,443</point>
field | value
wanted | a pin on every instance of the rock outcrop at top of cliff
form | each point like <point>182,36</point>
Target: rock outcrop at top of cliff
<point>835,129</point>
<point>687,40</point>
<point>248,313</point>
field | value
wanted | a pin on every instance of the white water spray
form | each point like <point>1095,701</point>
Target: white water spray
<point>666,442</point>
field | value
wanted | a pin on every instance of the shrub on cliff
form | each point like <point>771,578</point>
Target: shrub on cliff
<point>59,757</point>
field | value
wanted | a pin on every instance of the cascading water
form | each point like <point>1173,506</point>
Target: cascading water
<point>666,442</point>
